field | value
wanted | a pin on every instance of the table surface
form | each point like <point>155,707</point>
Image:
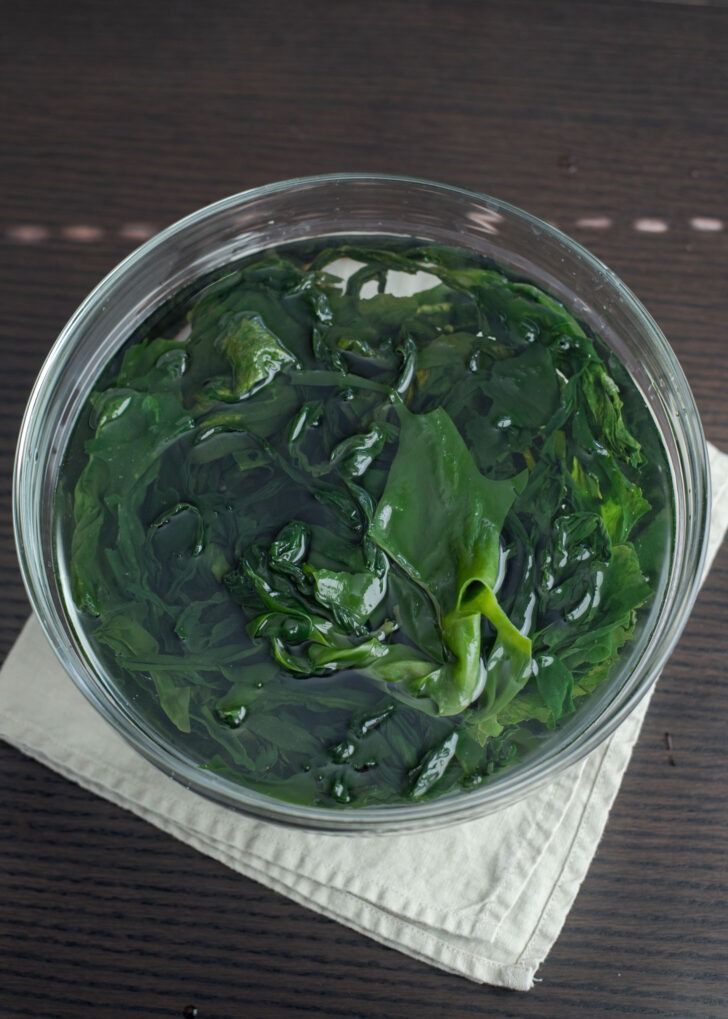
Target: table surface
<point>609,119</point>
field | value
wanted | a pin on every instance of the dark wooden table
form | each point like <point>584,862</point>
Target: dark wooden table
<point>609,119</point>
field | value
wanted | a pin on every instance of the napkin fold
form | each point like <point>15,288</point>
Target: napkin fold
<point>486,899</point>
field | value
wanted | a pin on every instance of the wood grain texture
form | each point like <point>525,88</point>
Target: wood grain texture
<point>139,113</point>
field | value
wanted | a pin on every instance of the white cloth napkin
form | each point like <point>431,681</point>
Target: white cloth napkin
<point>485,899</point>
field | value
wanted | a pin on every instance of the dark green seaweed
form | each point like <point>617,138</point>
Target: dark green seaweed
<point>355,548</point>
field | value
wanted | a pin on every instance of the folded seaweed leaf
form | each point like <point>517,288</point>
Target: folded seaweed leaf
<point>440,520</point>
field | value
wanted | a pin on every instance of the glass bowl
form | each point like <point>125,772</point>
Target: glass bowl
<point>344,205</point>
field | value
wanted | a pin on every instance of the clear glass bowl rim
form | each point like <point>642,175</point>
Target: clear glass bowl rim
<point>36,557</point>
